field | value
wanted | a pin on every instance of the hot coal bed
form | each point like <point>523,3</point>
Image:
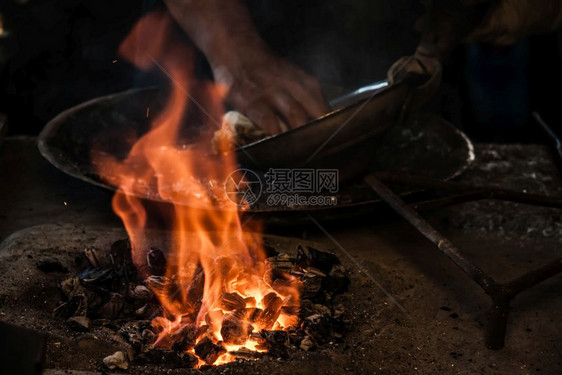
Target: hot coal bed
<point>106,291</point>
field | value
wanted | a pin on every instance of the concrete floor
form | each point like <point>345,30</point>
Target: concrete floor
<point>442,328</point>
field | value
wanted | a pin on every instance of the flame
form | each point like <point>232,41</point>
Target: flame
<point>216,286</point>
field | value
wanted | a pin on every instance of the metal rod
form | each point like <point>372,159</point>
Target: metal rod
<point>454,187</point>
<point>444,245</point>
<point>534,277</point>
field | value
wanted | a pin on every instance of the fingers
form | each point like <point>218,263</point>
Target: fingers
<point>261,113</point>
<point>290,110</point>
<point>309,94</point>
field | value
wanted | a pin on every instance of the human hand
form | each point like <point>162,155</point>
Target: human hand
<point>269,90</point>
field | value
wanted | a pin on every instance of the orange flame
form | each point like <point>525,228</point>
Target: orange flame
<point>209,248</point>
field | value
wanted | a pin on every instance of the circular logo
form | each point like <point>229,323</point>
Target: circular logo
<point>243,187</point>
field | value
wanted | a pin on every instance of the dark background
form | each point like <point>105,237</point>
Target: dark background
<point>58,53</point>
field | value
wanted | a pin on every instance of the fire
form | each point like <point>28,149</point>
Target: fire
<point>216,292</point>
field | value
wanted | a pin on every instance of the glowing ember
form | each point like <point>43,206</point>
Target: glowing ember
<point>216,291</point>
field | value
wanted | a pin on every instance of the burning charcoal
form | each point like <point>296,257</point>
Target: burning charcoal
<point>116,360</point>
<point>169,358</point>
<point>272,303</point>
<point>112,308</point>
<point>275,337</point>
<point>253,314</point>
<point>75,306</point>
<point>337,281</point>
<point>232,301</point>
<point>245,353</point>
<point>79,323</point>
<point>184,338</point>
<point>311,286</point>
<point>208,351</point>
<point>196,288</point>
<point>50,266</point>
<point>250,302</point>
<point>156,262</point>
<point>140,293</point>
<point>213,316</point>
<point>310,257</point>
<point>235,331</point>
<point>307,344</point>
<point>201,330</point>
<point>285,287</point>
<point>158,284</point>
<point>290,310</point>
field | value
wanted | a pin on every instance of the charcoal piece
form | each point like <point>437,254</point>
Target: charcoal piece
<point>314,271</point>
<point>209,351</point>
<point>158,284</point>
<point>311,286</point>
<point>120,252</point>
<point>296,336</point>
<point>310,257</point>
<point>290,310</point>
<point>168,358</point>
<point>254,314</point>
<point>275,337</point>
<point>71,287</point>
<point>201,330</point>
<point>318,327</point>
<point>184,338</point>
<point>138,334</point>
<point>196,288</point>
<point>235,331</point>
<point>337,281</point>
<point>250,301</point>
<point>51,266</point>
<point>97,277</point>
<point>75,306</point>
<point>116,360</point>
<point>232,301</point>
<point>307,344</point>
<point>96,258</point>
<point>245,353</point>
<point>79,323</point>
<point>140,293</point>
<point>156,262</point>
<point>339,310</point>
<point>148,311</point>
<point>306,308</point>
<point>213,316</point>
<point>112,308</point>
<point>284,287</point>
<point>268,317</point>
